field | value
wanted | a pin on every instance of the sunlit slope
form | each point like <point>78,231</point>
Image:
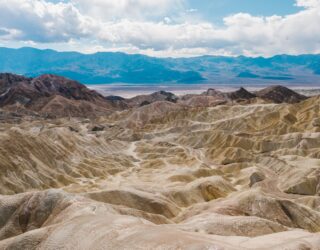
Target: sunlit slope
<point>164,176</point>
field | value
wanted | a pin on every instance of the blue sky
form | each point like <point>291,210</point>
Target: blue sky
<point>216,10</point>
<point>164,27</point>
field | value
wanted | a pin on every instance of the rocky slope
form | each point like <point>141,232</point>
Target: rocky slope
<point>280,94</point>
<point>211,171</point>
<point>51,95</point>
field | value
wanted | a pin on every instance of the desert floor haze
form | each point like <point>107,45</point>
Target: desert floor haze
<point>215,170</point>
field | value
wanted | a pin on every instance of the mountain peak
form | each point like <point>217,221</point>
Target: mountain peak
<point>44,94</point>
<point>279,94</point>
<point>242,93</point>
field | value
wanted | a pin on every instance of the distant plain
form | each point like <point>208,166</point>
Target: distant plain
<point>128,90</point>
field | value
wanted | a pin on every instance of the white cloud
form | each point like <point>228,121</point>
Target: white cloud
<point>160,36</point>
<point>191,10</point>
<point>129,9</point>
<point>125,25</point>
<point>43,21</point>
<point>308,3</point>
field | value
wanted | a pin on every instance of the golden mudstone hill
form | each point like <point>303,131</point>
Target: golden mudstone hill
<point>164,175</point>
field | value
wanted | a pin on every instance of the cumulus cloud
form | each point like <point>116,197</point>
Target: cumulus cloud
<point>128,9</point>
<point>43,21</point>
<point>161,36</point>
<point>123,25</point>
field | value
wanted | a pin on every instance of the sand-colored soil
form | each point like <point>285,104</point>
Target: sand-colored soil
<point>164,176</point>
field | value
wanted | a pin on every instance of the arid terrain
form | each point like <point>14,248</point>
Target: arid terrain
<point>237,170</point>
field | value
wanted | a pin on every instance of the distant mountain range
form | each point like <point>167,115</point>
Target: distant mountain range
<point>107,67</point>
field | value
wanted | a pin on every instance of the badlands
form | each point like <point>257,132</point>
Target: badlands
<point>218,170</point>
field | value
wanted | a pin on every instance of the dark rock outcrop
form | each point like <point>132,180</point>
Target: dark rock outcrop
<point>143,100</point>
<point>241,94</point>
<point>52,95</point>
<point>280,94</point>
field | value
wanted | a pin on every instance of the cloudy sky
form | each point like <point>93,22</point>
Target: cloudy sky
<point>164,27</point>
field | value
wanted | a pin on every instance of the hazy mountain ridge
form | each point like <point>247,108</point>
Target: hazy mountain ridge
<point>107,67</point>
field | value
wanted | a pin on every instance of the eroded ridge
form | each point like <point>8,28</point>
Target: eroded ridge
<point>164,175</point>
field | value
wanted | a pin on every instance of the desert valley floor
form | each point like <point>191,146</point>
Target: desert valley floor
<point>218,170</point>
